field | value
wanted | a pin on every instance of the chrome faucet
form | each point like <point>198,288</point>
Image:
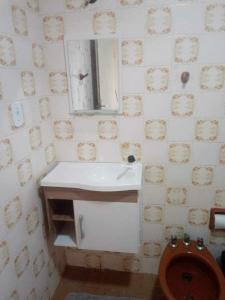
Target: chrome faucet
<point>130,159</point>
<point>200,244</point>
<point>123,173</point>
<point>186,239</point>
<point>173,241</point>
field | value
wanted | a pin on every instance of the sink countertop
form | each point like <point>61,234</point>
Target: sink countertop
<point>95,176</point>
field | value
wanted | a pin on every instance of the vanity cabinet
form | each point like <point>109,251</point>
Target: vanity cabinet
<point>92,220</point>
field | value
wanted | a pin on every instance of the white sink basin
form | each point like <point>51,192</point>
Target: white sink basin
<point>95,176</point>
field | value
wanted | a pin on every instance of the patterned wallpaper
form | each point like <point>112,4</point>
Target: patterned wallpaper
<point>28,266</point>
<point>176,130</point>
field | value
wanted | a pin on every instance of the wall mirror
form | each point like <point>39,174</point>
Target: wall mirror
<point>93,76</point>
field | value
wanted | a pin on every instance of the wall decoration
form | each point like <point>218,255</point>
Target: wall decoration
<point>75,4</point>
<point>22,261</point>
<point>104,22</point>
<point>32,295</point>
<point>13,212</point>
<point>154,174</point>
<point>53,27</point>
<point>19,20</point>
<point>179,153</point>
<point>217,239</point>
<point>132,106</point>
<point>182,105</point>
<point>38,55</point>
<point>159,20</point>
<point>33,4</point>
<point>6,154</point>
<point>63,129</point>
<point>39,263</point>
<point>14,295</point>
<point>202,176</point>
<point>7,51</point>
<point>222,154</point>
<point>132,52</point>
<point>219,198</point>
<point>4,255</point>
<point>87,151</point>
<point>50,154</point>
<point>157,79</point>
<point>130,149</point>
<point>212,77</point>
<point>174,230</point>
<point>176,195</point>
<point>152,249</point>
<point>58,82</point>
<point>155,129</point>
<point>206,130</point>
<point>32,220</point>
<point>28,83</point>
<point>130,2</point>
<point>198,216</point>
<point>35,137</point>
<point>214,18</point>
<point>24,171</point>
<point>44,106</point>
<point>153,214</point>
<point>186,49</point>
<point>107,130</point>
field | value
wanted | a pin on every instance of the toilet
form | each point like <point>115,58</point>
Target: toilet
<point>188,271</point>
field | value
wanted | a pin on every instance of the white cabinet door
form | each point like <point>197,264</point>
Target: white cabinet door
<point>107,226</point>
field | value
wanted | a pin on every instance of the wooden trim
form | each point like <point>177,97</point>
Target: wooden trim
<point>79,194</point>
<point>48,210</point>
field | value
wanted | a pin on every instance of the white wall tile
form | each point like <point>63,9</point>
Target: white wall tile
<point>55,61</point>
<point>158,50</point>
<point>178,175</point>
<point>210,151</point>
<point>180,129</point>
<point>212,48</point>
<point>156,105</point>
<point>155,152</point>
<point>129,75</point>
<point>128,24</point>
<point>136,129</point>
<point>179,212</point>
<point>210,105</point>
<point>183,14</point>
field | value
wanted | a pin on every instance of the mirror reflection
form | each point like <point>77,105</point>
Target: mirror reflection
<point>92,67</point>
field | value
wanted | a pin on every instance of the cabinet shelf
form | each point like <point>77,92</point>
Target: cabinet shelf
<point>61,217</point>
<point>61,210</point>
<point>66,236</point>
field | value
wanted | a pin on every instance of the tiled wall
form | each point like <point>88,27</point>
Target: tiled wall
<point>27,265</point>
<point>177,132</point>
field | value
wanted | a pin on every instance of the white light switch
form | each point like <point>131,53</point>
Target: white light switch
<point>17,114</point>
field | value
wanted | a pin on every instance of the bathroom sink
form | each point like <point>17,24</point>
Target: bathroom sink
<point>95,176</point>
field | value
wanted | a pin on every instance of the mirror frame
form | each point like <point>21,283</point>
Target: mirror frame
<point>72,110</point>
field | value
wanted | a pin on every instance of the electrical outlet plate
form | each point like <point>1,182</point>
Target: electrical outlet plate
<point>17,114</point>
